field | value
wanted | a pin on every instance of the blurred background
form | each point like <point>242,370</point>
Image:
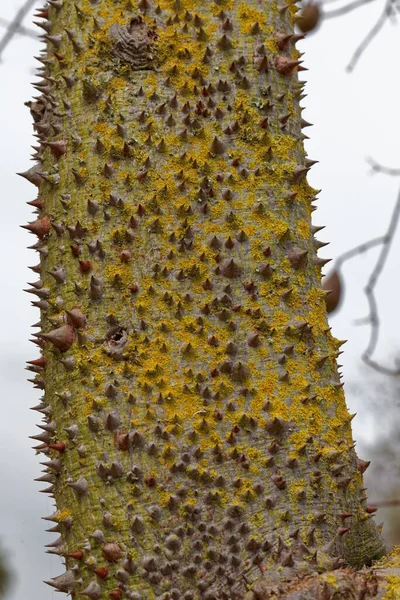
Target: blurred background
<point>355,115</point>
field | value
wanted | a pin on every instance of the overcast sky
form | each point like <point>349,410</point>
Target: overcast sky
<point>354,116</point>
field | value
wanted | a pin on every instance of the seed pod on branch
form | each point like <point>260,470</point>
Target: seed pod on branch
<point>309,17</point>
<point>333,286</point>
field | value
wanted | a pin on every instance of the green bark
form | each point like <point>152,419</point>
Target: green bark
<point>196,436</point>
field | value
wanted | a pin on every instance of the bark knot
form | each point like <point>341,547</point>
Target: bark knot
<point>133,44</point>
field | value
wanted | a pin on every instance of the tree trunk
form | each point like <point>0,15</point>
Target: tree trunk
<point>196,437</point>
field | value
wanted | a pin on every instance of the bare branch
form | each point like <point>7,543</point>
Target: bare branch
<point>15,24</point>
<point>345,9</point>
<point>370,36</point>
<point>385,241</point>
<point>377,168</point>
<point>389,12</point>
<point>21,30</point>
<point>370,287</point>
<point>359,249</point>
<point>325,2</point>
<point>384,503</point>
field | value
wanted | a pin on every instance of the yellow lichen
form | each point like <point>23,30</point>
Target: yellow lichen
<point>63,515</point>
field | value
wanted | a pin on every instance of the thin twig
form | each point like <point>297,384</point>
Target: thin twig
<point>370,287</point>
<point>385,241</point>
<point>15,24</point>
<point>359,250</point>
<point>325,2</point>
<point>389,12</point>
<point>384,503</point>
<point>21,30</point>
<point>370,36</point>
<point>345,9</point>
<point>377,168</point>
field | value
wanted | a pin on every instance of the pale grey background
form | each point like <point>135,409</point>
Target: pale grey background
<point>354,116</point>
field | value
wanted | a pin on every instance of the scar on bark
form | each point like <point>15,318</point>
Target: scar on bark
<point>116,340</point>
<point>134,44</point>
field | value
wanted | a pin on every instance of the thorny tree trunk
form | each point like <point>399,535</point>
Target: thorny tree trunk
<point>195,434</point>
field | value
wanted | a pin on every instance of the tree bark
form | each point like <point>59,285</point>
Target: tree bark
<point>196,437</point>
